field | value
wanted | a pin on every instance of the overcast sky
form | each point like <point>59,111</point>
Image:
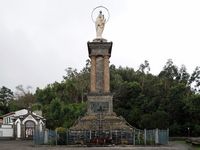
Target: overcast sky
<point>39,39</point>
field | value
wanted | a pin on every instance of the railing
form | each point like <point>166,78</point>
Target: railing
<point>117,137</point>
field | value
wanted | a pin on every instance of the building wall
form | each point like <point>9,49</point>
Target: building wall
<point>8,120</point>
<point>6,131</point>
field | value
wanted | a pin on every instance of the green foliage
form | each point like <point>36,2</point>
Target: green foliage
<point>13,106</point>
<point>196,130</point>
<point>62,103</point>
<point>71,90</point>
<point>59,114</point>
<point>60,130</point>
<point>23,99</point>
<point>167,100</point>
<point>170,99</point>
<point>55,109</point>
<point>36,106</point>
<point>175,129</point>
<point>6,96</point>
<point>62,138</point>
<point>195,79</point>
<point>158,119</point>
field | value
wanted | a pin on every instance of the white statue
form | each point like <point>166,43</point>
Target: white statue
<point>100,23</point>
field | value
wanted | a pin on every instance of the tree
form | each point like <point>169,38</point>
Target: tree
<point>146,121</point>
<point>143,99</point>
<point>77,83</point>
<point>6,96</point>
<point>158,119</point>
<point>144,67</point>
<point>169,71</point>
<point>45,96</point>
<point>23,98</point>
<point>183,75</point>
<point>55,114</point>
<point>195,79</point>
<point>194,108</point>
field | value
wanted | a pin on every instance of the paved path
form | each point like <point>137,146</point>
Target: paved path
<point>28,145</point>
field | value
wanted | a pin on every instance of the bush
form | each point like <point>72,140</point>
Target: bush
<point>62,136</point>
<point>196,130</point>
<point>175,130</point>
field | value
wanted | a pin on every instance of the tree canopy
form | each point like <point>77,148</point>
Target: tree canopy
<point>170,99</point>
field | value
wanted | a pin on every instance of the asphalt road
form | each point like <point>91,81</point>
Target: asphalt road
<point>28,145</point>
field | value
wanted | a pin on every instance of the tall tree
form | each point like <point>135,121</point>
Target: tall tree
<point>183,75</point>
<point>23,99</point>
<point>195,79</point>
<point>143,69</point>
<point>6,96</point>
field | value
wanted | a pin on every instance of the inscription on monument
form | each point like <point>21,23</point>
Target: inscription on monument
<point>99,107</point>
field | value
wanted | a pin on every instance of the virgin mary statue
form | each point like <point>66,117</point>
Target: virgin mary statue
<point>99,24</point>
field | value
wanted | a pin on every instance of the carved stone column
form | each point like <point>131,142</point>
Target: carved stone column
<point>106,74</point>
<point>93,75</point>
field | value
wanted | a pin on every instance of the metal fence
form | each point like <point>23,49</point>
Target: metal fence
<point>137,137</point>
<point>49,137</point>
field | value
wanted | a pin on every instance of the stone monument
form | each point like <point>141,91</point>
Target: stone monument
<point>100,122</point>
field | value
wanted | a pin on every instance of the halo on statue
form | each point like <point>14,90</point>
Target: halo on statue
<point>96,10</point>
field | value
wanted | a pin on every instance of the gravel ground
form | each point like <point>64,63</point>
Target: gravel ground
<point>28,145</point>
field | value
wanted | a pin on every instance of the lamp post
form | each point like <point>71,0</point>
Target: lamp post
<point>188,132</point>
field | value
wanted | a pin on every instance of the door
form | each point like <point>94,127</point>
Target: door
<point>29,129</point>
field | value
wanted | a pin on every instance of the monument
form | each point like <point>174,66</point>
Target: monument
<point>100,125</point>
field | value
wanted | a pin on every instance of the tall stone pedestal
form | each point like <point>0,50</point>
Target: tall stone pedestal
<point>99,98</point>
<point>100,122</point>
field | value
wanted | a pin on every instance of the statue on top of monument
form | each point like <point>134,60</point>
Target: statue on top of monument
<point>100,16</point>
<point>100,24</point>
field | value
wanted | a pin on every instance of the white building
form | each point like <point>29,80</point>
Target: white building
<point>22,124</point>
<point>8,118</point>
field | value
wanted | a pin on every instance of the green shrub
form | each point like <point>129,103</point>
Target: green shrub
<point>62,136</point>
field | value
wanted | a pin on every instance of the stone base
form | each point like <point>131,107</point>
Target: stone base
<point>101,129</point>
<point>101,122</point>
<point>100,115</point>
